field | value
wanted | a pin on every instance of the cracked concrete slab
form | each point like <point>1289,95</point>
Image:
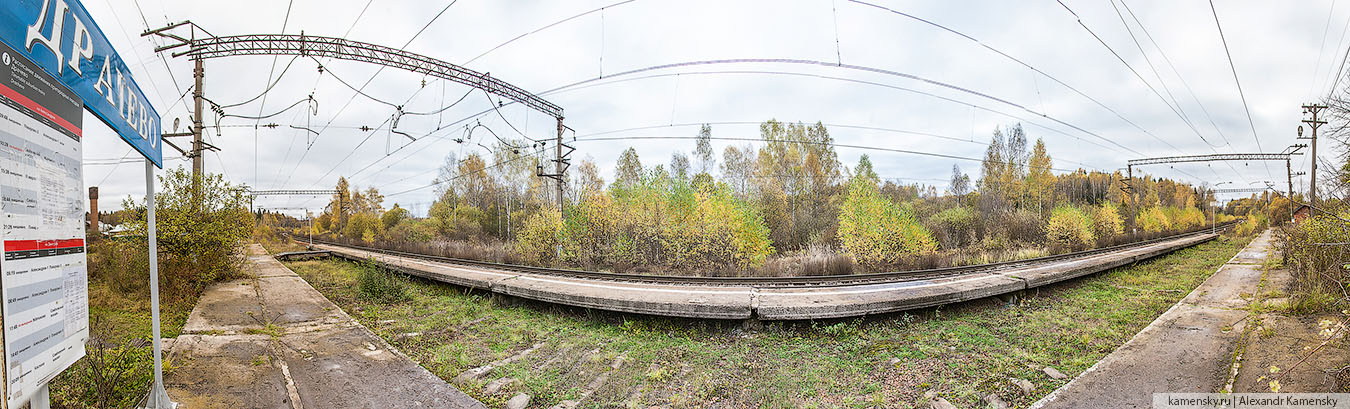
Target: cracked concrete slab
<point>225,371</point>
<point>1187,349</point>
<point>297,349</point>
<point>350,367</point>
<point>231,306</point>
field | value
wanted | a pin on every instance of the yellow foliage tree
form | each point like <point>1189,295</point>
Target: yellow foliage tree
<point>877,231</point>
<point>1071,226</point>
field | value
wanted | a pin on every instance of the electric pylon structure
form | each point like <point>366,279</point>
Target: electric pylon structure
<point>1244,157</point>
<point>208,45</point>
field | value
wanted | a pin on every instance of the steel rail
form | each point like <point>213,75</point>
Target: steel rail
<point>778,282</point>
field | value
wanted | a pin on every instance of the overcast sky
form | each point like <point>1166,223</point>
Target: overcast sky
<point>946,91</point>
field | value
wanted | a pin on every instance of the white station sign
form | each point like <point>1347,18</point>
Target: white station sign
<point>43,277</point>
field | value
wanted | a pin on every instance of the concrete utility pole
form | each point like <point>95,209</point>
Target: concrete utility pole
<point>558,164</point>
<point>1313,109</point>
<point>197,73</point>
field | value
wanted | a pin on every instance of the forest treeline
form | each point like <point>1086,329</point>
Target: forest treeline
<point>789,197</point>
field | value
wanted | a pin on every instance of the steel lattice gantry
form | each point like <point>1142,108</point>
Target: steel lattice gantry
<point>1242,190</point>
<point>1284,157</point>
<point>1208,158</point>
<point>344,49</point>
<point>293,192</point>
<point>213,46</point>
<point>1216,157</point>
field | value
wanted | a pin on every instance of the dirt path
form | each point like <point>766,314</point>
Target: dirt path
<point>272,341</point>
<point>1187,349</point>
<point>1291,352</point>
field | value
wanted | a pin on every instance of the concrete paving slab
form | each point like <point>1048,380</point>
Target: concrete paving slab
<point>231,306</point>
<point>291,300</point>
<point>1254,253</point>
<point>666,300</point>
<point>465,277</point>
<point>814,303</point>
<point>226,371</point>
<point>343,367</point>
<point>1052,273</point>
<point>1186,349</point>
<point>1242,281</point>
<point>315,355</point>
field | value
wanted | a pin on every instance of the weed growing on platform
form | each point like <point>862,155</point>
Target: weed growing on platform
<point>380,285</point>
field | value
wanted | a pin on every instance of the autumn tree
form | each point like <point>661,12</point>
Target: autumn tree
<point>1039,179</point>
<point>628,172</point>
<point>800,161</point>
<point>703,151</point>
<point>738,168</point>
<point>679,167</point>
<point>960,182</point>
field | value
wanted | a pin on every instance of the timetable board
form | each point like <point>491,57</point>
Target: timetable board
<point>43,276</point>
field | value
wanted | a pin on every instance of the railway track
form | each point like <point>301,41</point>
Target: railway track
<point>776,282</point>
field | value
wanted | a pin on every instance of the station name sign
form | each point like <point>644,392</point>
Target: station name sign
<point>60,37</point>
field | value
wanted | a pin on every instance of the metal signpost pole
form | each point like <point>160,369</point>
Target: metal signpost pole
<point>43,398</point>
<point>158,399</point>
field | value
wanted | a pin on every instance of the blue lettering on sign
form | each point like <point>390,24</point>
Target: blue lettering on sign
<point>59,36</point>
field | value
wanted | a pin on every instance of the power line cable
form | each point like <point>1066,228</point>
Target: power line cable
<point>1326,31</point>
<point>837,145</point>
<point>610,80</point>
<point>367,83</point>
<point>827,126</point>
<point>1133,71</point>
<point>1023,63</point>
<point>550,25</point>
<point>1163,83</point>
<point>1151,67</point>
<point>264,92</point>
<point>1173,67</point>
<point>1241,94</point>
<point>791,61</point>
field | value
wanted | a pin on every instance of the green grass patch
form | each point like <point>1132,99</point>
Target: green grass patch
<point>961,352</point>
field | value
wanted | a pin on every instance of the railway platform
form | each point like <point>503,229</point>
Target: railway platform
<point>766,298</point>
<point>273,341</point>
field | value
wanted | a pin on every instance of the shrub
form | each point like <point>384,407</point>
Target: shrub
<point>412,231</point>
<point>201,237</point>
<point>112,374</point>
<point>365,226</point>
<point>394,216</point>
<point>382,285</point>
<point>1106,220</point>
<point>876,230</point>
<point>954,227</point>
<point>1316,254</point>
<point>656,222</point>
<point>457,223</point>
<point>1071,226</point>
<point>1254,223</point>
<point>1153,220</point>
<point>1185,218</point>
<point>537,240</point>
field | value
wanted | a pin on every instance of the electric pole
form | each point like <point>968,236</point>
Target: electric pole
<point>1313,109</point>
<point>558,165</point>
<point>197,72</point>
